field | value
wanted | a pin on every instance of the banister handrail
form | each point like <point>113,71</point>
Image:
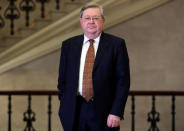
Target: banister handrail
<point>160,93</point>
<point>55,92</point>
<point>29,92</point>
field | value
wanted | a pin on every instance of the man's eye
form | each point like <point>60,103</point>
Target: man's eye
<point>87,18</point>
<point>95,18</point>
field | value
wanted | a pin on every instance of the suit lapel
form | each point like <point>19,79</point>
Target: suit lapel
<point>101,49</point>
<point>76,53</point>
<point>77,49</point>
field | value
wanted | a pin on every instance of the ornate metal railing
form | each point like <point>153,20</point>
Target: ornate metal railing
<point>153,117</point>
<point>15,9</point>
<point>1,20</point>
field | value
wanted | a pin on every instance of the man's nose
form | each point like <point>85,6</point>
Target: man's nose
<point>91,20</point>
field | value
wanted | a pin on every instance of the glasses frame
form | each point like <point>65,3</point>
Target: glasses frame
<point>94,18</point>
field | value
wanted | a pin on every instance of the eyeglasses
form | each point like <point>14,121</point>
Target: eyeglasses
<point>91,18</point>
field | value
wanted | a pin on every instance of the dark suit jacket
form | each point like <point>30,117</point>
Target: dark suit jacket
<point>111,78</point>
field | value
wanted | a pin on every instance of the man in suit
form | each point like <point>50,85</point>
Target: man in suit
<point>94,77</point>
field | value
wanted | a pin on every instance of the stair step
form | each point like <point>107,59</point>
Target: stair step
<point>40,23</point>
<point>11,40</point>
<point>70,6</point>
<point>2,49</point>
<point>1,45</point>
<point>55,15</point>
<point>25,32</point>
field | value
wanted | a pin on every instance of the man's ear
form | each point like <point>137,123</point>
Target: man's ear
<point>80,20</point>
<point>103,20</point>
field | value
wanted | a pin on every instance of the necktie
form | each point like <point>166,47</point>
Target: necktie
<point>87,89</point>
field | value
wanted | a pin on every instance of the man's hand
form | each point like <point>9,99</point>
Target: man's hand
<point>113,121</point>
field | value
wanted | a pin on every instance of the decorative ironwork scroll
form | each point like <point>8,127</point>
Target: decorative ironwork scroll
<point>9,112</point>
<point>173,113</point>
<point>1,21</point>
<point>27,6</point>
<point>57,4</point>
<point>12,13</point>
<point>133,113</point>
<point>29,117</point>
<point>42,7</point>
<point>153,117</point>
<point>49,112</point>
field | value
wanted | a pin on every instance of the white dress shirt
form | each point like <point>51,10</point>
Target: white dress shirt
<point>83,58</point>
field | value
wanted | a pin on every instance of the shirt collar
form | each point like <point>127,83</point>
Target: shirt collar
<point>96,40</point>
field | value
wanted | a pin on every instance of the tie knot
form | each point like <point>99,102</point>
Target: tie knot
<point>91,41</point>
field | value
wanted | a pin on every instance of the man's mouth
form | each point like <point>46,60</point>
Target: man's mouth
<point>91,27</point>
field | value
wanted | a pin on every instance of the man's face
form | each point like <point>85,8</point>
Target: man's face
<point>92,22</point>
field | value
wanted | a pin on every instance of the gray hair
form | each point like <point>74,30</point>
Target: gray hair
<point>92,6</point>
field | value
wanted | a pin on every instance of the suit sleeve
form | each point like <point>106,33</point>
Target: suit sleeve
<point>61,75</point>
<point>122,80</point>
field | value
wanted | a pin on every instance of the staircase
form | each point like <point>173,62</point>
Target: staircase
<point>45,35</point>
